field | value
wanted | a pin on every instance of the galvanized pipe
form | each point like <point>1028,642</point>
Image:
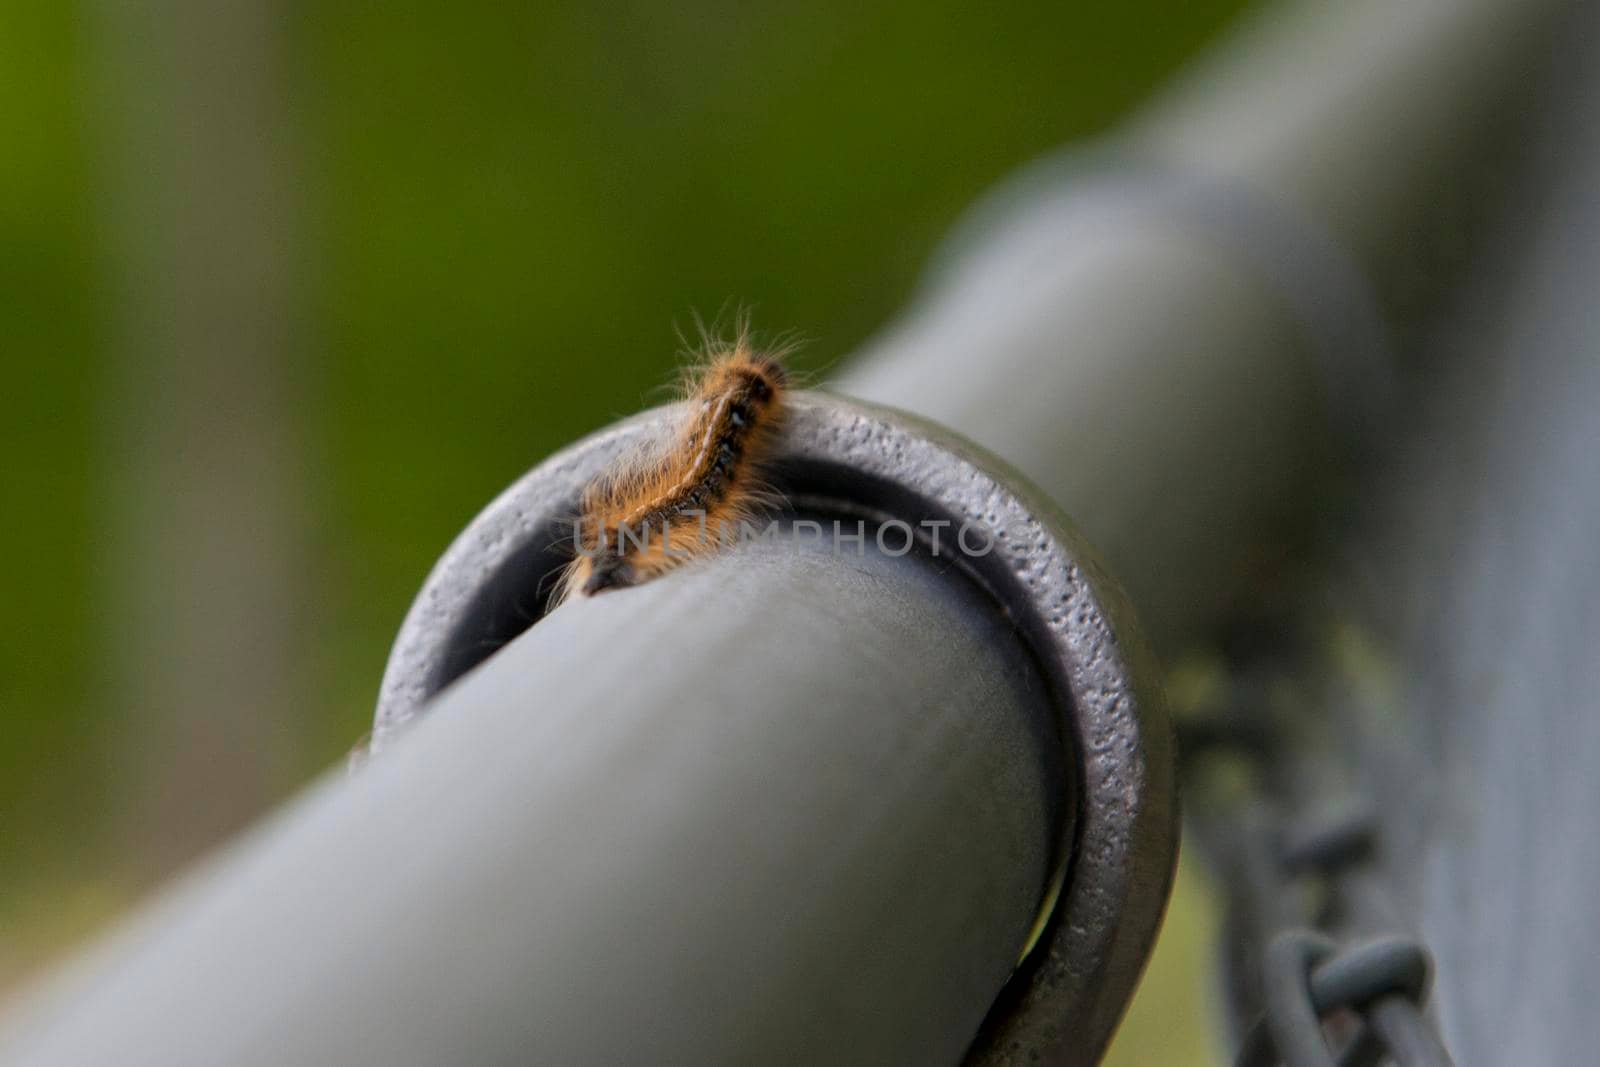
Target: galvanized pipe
<point>1173,331</point>
<point>568,864</point>
<point>1467,625</point>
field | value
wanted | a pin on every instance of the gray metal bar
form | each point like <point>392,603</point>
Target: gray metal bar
<point>516,877</point>
<point>567,863</point>
<point>1172,331</point>
<point>1469,623</point>
<point>1385,125</point>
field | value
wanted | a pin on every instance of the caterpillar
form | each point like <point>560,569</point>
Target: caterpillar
<point>651,514</point>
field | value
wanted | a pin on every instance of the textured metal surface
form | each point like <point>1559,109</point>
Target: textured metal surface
<point>850,459</point>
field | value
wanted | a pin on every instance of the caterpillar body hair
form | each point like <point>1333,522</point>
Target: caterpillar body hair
<point>654,512</point>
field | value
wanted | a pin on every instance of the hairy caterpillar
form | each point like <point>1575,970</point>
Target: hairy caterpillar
<point>653,513</point>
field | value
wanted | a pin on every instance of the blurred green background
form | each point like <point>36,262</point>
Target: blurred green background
<point>288,292</point>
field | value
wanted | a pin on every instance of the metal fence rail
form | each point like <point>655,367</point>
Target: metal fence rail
<point>683,823</point>
<point>1466,629</point>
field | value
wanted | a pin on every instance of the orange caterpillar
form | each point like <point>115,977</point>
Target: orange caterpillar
<point>652,514</point>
